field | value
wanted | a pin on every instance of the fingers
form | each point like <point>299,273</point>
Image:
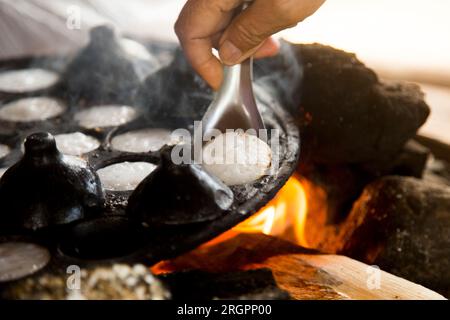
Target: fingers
<point>198,52</point>
<point>199,23</point>
<point>260,20</point>
<point>269,48</point>
<point>204,23</point>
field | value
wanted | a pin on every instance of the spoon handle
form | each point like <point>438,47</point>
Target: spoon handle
<point>234,106</point>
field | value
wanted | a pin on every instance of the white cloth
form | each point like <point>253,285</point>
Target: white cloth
<point>33,27</point>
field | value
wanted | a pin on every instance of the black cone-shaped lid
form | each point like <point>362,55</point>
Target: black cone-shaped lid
<point>178,194</point>
<point>46,188</point>
<point>104,72</point>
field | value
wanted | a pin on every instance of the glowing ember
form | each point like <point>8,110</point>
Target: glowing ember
<point>284,216</point>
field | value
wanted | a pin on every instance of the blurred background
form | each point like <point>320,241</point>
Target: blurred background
<point>401,39</point>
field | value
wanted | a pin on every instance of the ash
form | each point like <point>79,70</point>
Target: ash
<point>118,281</point>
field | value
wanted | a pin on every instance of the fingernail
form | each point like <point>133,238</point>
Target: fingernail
<point>229,53</point>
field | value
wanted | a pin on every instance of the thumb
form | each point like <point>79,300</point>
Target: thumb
<point>248,31</point>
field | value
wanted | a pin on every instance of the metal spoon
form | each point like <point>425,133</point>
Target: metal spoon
<point>234,106</point>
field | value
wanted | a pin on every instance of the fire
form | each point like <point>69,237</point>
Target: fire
<point>298,213</point>
<point>284,216</point>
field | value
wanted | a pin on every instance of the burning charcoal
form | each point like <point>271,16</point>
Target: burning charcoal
<point>178,194</point>
<point>237,158</point>
<point>403,226</point>
<point>109,69</point>
<point>115,282</point>
<point>348,115</point>
<point>258,284</point>
<point>27,80</point>
<point>46,188</point>
<point>20,259</point>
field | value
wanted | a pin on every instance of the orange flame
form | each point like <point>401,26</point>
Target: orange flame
<point>284,216</point>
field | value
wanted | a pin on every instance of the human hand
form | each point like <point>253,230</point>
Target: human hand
<point>206,24</point>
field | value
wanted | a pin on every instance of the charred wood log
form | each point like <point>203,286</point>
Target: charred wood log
<point>402,225</point>
<point>303,273</point>
<point>355,129</point>
<point>342,184</point>
<point>258,284</point>
<point>348,115</point>
<point>410,161</point>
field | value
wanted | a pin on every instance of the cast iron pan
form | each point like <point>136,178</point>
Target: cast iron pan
<point>112,237</point>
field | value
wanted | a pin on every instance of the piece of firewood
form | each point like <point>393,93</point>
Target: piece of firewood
<point>301,272</point>
<point>357,280</point>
